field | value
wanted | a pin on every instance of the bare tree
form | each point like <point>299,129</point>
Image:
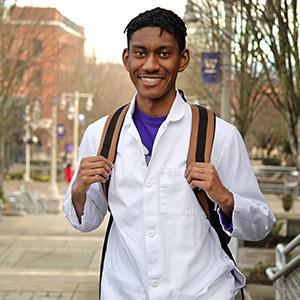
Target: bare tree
<point>28,54</point>
<point>14,58</point>
<point>247,77</point>
<point>274,25</point>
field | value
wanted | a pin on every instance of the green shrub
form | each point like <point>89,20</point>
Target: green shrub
<point>16,175</point>
<point>40,177</point>
<point>271,161</point>
<point>3,198</point>
<point>277,228</point>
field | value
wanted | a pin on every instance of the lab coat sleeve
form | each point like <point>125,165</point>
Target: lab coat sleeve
<point>96,206</point>
<point>252,218</point>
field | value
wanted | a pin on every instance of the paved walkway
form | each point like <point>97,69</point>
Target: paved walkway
<point>43,258</point>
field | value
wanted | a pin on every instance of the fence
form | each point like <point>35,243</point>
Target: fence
<point>276,179</point>
<point>286,274</point>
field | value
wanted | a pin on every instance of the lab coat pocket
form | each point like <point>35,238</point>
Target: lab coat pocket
<point>118,289</point>
<point>180,296</point>
<point>176,196</point>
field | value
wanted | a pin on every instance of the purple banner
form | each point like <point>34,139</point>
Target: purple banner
<point>211,67</point>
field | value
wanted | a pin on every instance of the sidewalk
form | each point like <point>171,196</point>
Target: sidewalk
<point>43,258</point>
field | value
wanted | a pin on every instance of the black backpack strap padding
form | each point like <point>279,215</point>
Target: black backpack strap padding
<point>110,221</point>
<point>201,139</point>
<point>108,149</point>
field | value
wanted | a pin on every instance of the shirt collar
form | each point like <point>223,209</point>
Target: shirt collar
<point>176,112</point>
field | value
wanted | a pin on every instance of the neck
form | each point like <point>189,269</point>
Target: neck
<point>156,107</point>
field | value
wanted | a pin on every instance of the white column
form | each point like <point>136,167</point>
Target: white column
<point>226,63</point>
<point>75,129</point>
<point>298,150</point>
<point>55,199</point>
<point>27,145</point>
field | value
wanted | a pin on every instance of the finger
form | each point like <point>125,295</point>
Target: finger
<point>107,161</point>
<point>199,184</point>
<point>197,176</point>
<point>196,172</point>
<point>97,165</point>
<point>100,172</point>
<point>200,166</point>
<point>95,179</point>
<point>196,184</point>
<point>101,165</point>
<point>98,158</point>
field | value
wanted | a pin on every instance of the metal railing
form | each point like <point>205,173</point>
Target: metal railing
<point>274,179</point>
<point>286,274</point>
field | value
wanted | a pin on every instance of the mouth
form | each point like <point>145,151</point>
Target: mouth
<point>150,81</point>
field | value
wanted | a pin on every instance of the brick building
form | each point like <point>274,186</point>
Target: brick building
<point>45,52</point>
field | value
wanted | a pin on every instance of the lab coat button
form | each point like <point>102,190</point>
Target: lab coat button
<point>151,233</point>
<point>148,184</point>
<point>155,283</point>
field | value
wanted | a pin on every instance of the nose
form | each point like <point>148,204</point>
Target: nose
<point>151,63</point>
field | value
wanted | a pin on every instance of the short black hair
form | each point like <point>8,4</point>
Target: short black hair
<point>165,19</point>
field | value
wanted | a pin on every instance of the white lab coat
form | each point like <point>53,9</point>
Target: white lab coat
<point>161,245</point>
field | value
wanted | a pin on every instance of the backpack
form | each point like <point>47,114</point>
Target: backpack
<point>201,142</point>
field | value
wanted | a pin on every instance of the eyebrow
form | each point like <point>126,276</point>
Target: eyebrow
<point>143,47</point>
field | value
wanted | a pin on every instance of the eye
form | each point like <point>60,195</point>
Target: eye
<point>139,53</point>
<point>164,53</point>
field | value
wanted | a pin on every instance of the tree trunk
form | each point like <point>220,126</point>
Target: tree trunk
<point>298,148</point>
<point>2,157</point>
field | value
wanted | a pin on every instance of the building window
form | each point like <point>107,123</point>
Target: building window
<point>21,66</point>
<point>6,69</point>
<point>37,47</point>
<point>37,77</point>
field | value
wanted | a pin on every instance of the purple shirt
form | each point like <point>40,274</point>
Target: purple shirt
<point>147,127</point>
<point>227,224</point>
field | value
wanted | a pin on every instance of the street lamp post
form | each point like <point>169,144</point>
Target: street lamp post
<point>75,129</point>
<point>27,144</point>
<point>29,139</point>
<point>73,113</point>
<point>55,203</point>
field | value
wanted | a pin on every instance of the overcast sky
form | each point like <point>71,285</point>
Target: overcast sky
<point>104,21</point>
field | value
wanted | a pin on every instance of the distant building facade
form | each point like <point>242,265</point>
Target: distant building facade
<point>47,52</point>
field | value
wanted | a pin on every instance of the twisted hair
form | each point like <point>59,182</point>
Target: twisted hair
<point>165,19</point>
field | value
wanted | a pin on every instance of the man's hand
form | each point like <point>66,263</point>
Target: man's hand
<point>204,176</point>
<point>91,169</point>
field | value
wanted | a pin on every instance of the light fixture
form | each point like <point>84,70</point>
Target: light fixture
<point>70,112</point>
<point>63,103</point>
<point>89,103</point>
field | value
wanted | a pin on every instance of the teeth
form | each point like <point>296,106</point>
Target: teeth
<point>150,79</point>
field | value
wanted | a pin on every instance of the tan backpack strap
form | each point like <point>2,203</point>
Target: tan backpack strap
<point>194,134</point>
<point>110,137</point>
<point>210,134</point>
<point>201,142</point>
<point>111,132</point>
<point>202,136</point>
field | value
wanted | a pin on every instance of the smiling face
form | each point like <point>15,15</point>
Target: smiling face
<point>153,62</point>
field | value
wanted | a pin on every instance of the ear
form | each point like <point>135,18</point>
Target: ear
<point>184,60</point>
<point>125,57</point>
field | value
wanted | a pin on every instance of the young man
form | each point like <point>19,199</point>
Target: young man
<point>161,246</point>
